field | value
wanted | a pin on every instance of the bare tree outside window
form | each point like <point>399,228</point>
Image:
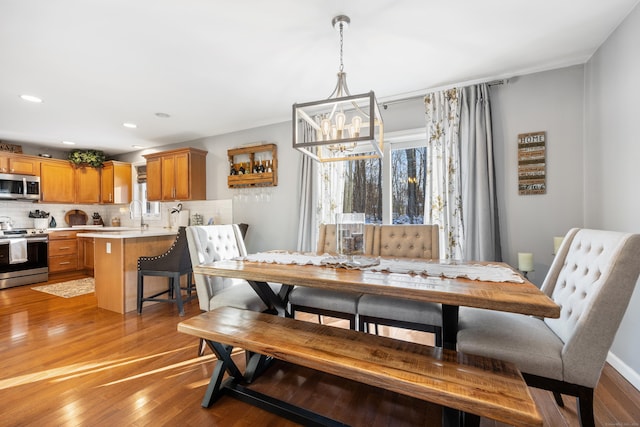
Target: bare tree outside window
<point>364,186</point>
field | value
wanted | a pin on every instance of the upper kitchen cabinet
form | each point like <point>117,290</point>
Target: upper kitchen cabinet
<point>19,164</point>
<point>116,182</point>
<point>57,181</point>
<point>177,175</point>
<point>87,184</point>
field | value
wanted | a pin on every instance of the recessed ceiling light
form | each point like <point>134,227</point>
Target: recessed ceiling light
<point>163,115</point>
<point>137,146</point>
<point>68,143</point>
<point>130,125</point>
<point>31,98</point>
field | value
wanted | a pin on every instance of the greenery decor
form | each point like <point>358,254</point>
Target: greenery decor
<point>93,158</point>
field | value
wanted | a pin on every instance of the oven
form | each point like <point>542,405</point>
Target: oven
<point>34,269</point>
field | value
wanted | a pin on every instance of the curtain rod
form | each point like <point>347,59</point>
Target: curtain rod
<point>385,104</point>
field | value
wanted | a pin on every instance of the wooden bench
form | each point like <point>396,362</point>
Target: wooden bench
<point>467,383</point>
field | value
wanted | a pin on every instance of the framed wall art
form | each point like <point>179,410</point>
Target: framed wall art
<point>532,163</point>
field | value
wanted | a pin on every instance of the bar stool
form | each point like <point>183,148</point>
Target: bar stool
<point>172,264</point>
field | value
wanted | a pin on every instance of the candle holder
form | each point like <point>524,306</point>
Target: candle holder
<point>525,263</point>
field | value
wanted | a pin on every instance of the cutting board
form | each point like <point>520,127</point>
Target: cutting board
<point>76,217</point>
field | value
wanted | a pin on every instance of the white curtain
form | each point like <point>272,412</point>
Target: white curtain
<point>443,192</point>
<point>480,213</point>
<point>330,202</point>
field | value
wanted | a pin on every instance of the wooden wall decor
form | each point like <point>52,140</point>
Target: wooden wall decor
<point>532,163</point>
<point>12,148</point>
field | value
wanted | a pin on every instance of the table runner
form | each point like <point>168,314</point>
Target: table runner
<point>448,269</point>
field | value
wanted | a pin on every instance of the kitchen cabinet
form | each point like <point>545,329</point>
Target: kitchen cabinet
<point>63,251</point>
<point>57,181</point>
<point>116,182</point>
<point>87,180</point>
<point>86,254</point>
<point>177,175</point>
<point>19,164</point>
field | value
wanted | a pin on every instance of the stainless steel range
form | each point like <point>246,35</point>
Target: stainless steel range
<point>23,257</point>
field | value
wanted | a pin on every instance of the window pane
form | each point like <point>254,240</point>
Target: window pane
<point>408,172</point>
<point>363,189</point>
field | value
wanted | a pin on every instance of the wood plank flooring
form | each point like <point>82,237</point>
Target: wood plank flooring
<point>66,362</point>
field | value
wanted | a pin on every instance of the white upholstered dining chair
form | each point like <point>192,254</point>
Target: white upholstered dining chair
<point>416,241</point>
<point>592,278</point>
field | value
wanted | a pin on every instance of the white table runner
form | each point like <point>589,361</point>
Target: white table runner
<point>482,272</point>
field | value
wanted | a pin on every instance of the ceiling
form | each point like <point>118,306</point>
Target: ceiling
<point>219,66</point>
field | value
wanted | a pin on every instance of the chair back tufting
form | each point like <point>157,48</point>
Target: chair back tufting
<point>592,278</point>
<point>407,241</point>
<point>209,243</point>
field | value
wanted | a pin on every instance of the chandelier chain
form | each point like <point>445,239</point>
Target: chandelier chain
<point>341,41</point>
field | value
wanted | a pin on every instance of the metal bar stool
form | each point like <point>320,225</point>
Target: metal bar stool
<point>172,264</point>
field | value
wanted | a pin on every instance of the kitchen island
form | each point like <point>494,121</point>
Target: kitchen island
<point>116,264</point>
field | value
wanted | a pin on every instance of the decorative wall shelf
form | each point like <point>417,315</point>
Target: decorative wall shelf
<point>255,166</point>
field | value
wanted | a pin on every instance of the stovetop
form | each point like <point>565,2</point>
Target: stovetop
<point>22,233</point>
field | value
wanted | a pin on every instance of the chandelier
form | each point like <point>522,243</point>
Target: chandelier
<point>343,126</point>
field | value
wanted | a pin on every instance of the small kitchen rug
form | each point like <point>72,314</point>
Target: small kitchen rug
<point>70,289</point>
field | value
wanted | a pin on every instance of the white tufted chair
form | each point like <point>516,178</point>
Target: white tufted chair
<point>404,241</point>
<point>592,278</point>
<point>208,243</point>
<point>323,302</point>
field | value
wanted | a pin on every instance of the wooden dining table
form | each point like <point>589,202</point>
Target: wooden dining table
<point>452,293</point>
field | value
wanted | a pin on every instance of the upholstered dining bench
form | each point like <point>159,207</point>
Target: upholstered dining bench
<point>477,386</point>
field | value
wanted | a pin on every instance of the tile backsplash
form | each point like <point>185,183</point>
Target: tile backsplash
<point>218,211</point>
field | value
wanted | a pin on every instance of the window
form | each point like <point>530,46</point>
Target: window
<point>150,210</point>
<point>389,190</point>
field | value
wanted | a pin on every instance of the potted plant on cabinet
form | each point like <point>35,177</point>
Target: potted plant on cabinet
<point>93,158</point>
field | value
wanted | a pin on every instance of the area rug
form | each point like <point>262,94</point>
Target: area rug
<point>69,289</point>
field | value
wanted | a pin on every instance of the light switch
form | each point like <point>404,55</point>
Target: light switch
<point>108,247</point>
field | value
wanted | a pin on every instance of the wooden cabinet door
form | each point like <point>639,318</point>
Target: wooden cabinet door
<point>168,178</point>
<point>154,179</point>
<point>22,165</point>
<point>18,164</point>
<point>122,186</point>
<point>87,251</point>
<point>87,185</point>
<point>107,183</point>
<point>57,182</point>
<point>116,182</point>
<point>182,176</point>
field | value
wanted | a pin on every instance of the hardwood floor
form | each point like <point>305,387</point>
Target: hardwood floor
<point>66,362</point>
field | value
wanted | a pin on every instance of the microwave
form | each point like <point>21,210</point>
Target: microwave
<point>19,187</point>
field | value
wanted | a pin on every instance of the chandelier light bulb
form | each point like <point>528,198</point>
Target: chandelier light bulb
<point>356,123</point>
<point>325,125</point>
<point>340,119</point>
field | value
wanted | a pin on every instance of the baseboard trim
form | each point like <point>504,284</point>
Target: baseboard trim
<point>625,370</point>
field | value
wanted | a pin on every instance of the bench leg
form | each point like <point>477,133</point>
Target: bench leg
<point>215,389</point>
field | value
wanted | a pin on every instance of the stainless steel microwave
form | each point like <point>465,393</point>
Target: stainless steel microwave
<point>19,187</point>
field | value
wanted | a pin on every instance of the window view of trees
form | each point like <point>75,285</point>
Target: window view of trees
<point>363,189</point>
<point>364,186</point>
<point>408,175</point>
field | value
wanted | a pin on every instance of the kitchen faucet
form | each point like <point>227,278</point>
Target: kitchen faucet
<point>131,215</point>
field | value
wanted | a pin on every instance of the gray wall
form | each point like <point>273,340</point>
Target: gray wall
<point>551,102</point>
<point>612,151</point>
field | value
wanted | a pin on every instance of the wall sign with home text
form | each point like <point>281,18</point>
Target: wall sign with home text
<point>532,163</point>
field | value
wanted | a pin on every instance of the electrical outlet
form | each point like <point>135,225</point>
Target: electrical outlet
<point>108,247</point>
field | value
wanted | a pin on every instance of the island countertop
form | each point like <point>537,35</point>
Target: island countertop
<point>130,233</point>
